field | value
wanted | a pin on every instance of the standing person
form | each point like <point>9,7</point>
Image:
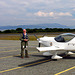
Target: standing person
<point>24,43</point>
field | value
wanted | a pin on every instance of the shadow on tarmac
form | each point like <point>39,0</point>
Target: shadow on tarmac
<point>46,59</point>
<point>69,57</point>
<point>37,62</point>
<point>66,56</point>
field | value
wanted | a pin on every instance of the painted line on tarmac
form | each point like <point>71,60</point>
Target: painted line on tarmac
<point>65,70</point>
<point>15,55</point>
<point>15,50</point>
<point>9,51</point>
<point>24,66</point>
<point>8,57</point>
<point>7,47</point>
<point>34,64</point>
<point>3,47</point>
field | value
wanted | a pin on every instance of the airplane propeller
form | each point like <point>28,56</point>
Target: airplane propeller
<point>43,35</point>
<point>36,36</point>
<point>38,40</point>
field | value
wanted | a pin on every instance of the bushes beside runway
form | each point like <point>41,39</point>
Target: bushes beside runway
<point>15,34</point>
<point>20,30</point>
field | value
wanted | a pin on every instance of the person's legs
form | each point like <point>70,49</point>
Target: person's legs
<point>22,49</point>
<point>22,53</point>
<point>26,51</point>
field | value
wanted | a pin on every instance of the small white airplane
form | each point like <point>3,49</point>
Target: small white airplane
<point>63,42</point>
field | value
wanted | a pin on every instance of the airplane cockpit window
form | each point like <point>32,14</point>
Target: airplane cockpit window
<point>59,39</point>
<point>64,37</point>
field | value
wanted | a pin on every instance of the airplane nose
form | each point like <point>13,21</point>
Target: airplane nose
<point>39,42</point>
<point>38,39</point>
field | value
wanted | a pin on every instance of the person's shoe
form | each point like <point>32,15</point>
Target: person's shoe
<point>27,56</point>
<point>22,57</point>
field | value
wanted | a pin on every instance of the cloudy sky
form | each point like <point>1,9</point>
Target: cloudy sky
<point>22,12</point>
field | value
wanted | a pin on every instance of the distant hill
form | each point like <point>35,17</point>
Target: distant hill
<point>50,25</point>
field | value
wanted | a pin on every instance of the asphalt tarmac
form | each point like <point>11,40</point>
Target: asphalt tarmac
<point>12,64</point>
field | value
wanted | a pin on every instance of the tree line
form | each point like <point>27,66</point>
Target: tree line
<point>35,30</point>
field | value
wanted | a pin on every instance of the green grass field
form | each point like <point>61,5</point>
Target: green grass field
<point>14,37</point>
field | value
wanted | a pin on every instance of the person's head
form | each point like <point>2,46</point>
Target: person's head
<point>24,30</point>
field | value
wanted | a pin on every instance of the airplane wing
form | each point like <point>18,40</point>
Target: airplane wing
<point>52,48</point>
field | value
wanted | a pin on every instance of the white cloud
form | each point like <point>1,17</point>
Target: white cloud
<point>12,7</point>
<point>52,14</point>
<point>73,19</point>
<point>64,14</point>
<point>52,10</point>
<point>20,2</point>
<point>41,13</point>
<point>3,4</point>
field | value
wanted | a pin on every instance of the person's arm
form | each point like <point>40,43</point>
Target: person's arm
<point>21,37</point>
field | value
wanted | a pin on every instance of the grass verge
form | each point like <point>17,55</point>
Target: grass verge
<point>12,37</point>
